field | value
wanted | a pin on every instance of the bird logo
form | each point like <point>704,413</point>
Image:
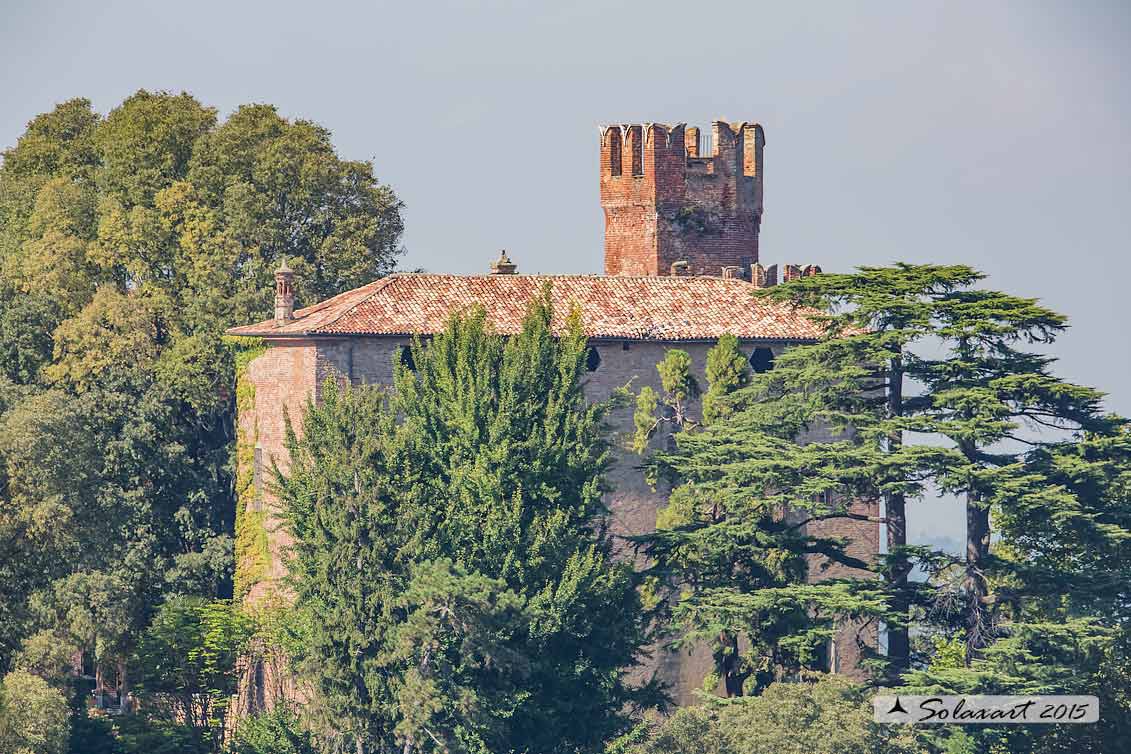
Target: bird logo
<point>897,707</point>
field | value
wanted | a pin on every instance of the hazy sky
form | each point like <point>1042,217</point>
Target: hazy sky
<point>991,133</point>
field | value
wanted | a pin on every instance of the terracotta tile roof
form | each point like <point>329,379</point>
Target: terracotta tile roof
<point>637,308</point>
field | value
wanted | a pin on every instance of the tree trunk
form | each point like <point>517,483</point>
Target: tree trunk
<point>728,665</point>
<point>977,589</point>
<point>123,688</point>
<point>895,504</point>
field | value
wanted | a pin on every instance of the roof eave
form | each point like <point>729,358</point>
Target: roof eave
<point>315,335</point>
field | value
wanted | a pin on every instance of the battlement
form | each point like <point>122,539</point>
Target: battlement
<point>639,149</point>
<point>666,201</point>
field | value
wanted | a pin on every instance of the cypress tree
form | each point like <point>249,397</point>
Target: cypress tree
<point>481,473</point>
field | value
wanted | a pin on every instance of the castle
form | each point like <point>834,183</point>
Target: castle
<point>681,263</point>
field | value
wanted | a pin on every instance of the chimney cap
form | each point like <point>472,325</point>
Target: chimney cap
<point>284,294</point>
<point>503,265</point>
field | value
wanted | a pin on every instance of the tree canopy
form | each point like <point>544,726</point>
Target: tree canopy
<point>824,715</point>
<point>128,242</point>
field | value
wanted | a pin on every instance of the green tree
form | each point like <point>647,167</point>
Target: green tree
<point>464,669</point>
<point>34,717</point>
<point>128,243</point>
<point>1060,573</point>
<point>276,732</point>
<point>730,551</point>
<point>47,654</point>
<point>727,371</point>
<point>912,352</point>
<point>927,389</point>
<point>671,408</point>
<point>826,715</point>
<point>919,349</point>
<point>187,663</point>
<point>487,455</point>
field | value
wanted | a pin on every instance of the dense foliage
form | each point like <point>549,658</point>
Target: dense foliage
<point>128,243</point>
<point>826,715</point>
<point>186,663</point>
<point>34,718</point>
<point>729,561</point>
<point>276,732</point>
<point>450,541</point>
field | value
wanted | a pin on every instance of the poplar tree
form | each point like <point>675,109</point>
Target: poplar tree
<point>451,551</point>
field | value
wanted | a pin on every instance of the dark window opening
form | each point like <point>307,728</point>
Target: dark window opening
<point>614,151</point>
<point>633,140</point>
<point>259,699</point>
<point>405,358</point>
<point>592,359</point>
<point>762,360</point>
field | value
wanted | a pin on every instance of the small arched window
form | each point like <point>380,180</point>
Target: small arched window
<point>762,360</point>
<point>404,357</point>
<point>592,359</point>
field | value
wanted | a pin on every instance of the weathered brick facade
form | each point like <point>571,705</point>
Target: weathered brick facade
<point>667,211</point>
<point>665,205</point>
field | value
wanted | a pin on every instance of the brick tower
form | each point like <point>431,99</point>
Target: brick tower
<point>666,206</point>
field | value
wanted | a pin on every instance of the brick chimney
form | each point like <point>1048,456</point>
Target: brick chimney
<point>284,294</point>
<point>503,265</point>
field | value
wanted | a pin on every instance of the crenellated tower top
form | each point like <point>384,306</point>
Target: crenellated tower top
<point>665,202</point>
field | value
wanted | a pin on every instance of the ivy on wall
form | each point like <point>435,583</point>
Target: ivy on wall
<point>252,553</point>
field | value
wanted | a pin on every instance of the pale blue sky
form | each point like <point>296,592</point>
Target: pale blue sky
<point>989,133</point>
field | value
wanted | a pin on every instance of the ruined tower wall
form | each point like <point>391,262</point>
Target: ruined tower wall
<point>279,382</point>
<point>665,204</point>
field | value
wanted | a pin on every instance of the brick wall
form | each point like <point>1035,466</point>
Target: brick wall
<point>677,206</point>
<point>282,377</point>
<point>632,503</point>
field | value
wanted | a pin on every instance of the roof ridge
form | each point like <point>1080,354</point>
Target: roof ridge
<point>665,279</point>
<point>648,307</point>
<point>314,308</point>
